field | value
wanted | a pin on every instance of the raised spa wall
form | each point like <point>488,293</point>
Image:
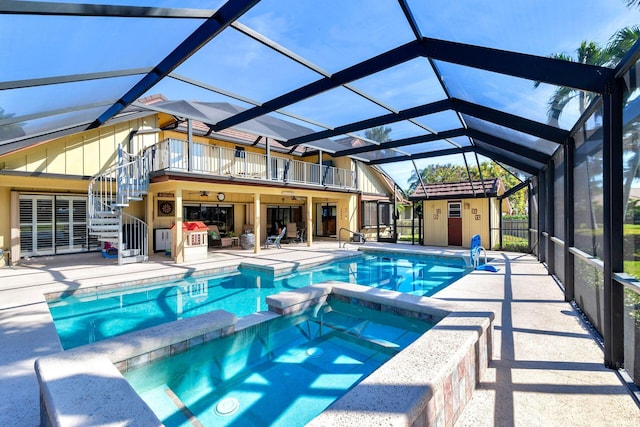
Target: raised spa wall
<point>426,384</point>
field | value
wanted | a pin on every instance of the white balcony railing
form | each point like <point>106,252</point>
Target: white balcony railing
<point>173,155</point>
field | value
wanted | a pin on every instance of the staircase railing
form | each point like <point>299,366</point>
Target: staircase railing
<point>109,192</point>
<point>134,239</point>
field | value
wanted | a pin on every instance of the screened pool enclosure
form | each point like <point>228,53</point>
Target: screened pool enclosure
<point>546,90</point>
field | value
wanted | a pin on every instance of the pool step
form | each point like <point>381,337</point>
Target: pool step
<point>354,334</point>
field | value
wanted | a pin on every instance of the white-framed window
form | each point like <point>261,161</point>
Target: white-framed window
<point>455,209</point>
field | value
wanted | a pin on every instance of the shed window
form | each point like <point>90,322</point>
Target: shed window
<point>455,210</point>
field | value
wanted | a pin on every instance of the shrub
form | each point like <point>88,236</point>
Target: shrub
<point>513,244</point>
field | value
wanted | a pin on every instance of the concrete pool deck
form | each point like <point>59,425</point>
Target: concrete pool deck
<point>546,370</point>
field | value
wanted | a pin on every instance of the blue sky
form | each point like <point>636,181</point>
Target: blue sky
<point>333,34</point>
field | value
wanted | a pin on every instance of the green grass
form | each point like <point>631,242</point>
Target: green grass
<point>632,268</point>
<point>513,244</point>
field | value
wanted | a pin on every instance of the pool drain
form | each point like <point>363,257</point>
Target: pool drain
<point>315,352</point>
<point>227,406</point>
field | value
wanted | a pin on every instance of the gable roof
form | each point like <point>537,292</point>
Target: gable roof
<point>459,190</point>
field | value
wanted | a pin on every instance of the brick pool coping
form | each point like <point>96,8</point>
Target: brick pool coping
<point>447,361</point>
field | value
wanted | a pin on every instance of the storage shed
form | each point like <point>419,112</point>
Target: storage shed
<point>455,211</point>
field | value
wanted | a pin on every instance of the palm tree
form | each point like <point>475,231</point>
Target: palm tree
<point>620,43</point>
<point>590,53</point>
<point>9,131</point>
<point>378,134</point>
<point>587,53</point>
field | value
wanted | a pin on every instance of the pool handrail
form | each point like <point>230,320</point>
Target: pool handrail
<point>353,233</point>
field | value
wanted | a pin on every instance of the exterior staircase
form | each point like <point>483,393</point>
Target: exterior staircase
<point>109,193</point>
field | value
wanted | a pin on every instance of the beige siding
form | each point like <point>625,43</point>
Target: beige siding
<point>83,154</point>
<point>36,160</point>
<point>5,228</point>
<point>91,153</point>
<point>369,182</point>
<point>56,158</point>
<point>475,220</point>
<point>435,222</point>
<point>496,216</point>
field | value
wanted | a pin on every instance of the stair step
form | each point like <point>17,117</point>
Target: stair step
<point>105,237</point>
<point>136,258</point>
<point>119,205</point>
<point>134,198</point>
<point>104,228</point>
<point>101,221</point>
<point>105,213</point>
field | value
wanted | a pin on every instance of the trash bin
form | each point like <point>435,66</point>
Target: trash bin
<point>247,241</point>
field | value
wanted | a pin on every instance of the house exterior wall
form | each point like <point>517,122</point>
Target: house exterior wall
<point>5,226</point>
<point>496,216</point>
<point>435,222</point>
<point>369,181</point>
<point>63,167</point>
<point>475,220</point>
<point>83,154</point>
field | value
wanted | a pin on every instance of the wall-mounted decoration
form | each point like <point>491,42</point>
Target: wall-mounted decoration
<point>166,207</point>
<point>477,217</point>
<point>438,211</point>
<point>435,216</point>
<point>474,211</point>
<point>164,194</point>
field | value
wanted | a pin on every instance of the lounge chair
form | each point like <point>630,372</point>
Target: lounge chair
<point>216,240</point>
<point>275,240</point>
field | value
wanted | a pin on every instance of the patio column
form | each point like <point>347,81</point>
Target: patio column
<point>178,243</point>
<point>149,220</point>
<point>256,223</point>
<point>309,220</point>
<point>189,144</point>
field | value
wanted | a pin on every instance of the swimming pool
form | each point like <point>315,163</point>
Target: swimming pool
<point>281,372</point>
<point>84,319</point>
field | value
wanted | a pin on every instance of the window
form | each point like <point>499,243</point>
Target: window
<point>376,213</point>
<point>455,210</point>
<point>222,216</point>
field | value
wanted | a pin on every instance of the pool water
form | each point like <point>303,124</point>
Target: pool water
<point>283,372</point>
<point>84,319</point>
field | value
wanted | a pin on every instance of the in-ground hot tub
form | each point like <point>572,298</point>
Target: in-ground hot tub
<point>428,382</point>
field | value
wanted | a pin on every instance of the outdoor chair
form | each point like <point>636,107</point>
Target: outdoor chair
<point>275,240</point>
<point>292,232</point>
<point>216,240</point>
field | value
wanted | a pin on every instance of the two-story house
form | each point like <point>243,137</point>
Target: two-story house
<point>158,164</point>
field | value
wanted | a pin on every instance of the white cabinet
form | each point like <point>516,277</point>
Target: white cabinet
<point>162,239</point>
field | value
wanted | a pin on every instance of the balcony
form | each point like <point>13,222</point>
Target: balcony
<point>173,155</point>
